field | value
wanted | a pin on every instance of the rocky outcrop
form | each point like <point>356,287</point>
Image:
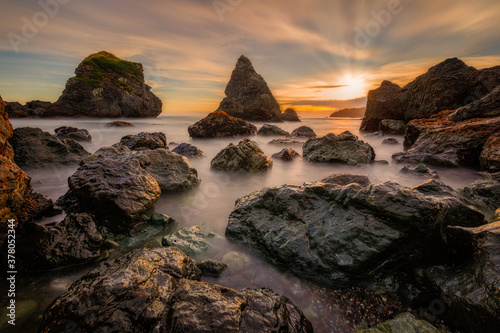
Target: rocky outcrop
<point>290,115</point>
<point>219,124</point>
<point>469,288</point>
<point>36,149</point>
<point>484,194</point>
<point>349,113</point>
<point>349,234</point>
<point>246,156</point>
<point>286,154</point>
<point>30,109</point>
<point>268,129</point>
<point>145,140</point>
<point>486,107</point>
<point>346,179</point>
<point>157,291</point>
<point>190,240</point>
<point>438,141</point>
<point>303,132</point>
<point>118,184</point>
<point>106,86</point>
<point>490,156</point>
<point>405,322</point>
<point>74,241</point>
<point>119,123</point>
<point>391,126</point>
<point>248,96</point>
<point>390,141</point>
<point>77,134</point>
<point>420,170</point>
<point>188,150</point>
<point>382,103</point>
<point>15,185</point>
<point>344,148</point>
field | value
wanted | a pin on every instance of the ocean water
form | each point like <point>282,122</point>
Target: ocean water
<point>209,206</point>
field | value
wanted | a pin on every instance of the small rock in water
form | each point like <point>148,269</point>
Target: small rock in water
<point>420,170</point>
<point>236,261</point>
<point>303,132</point>
<point>119,123</point>
<point>188,150</point>
<point>390,141</point>
<point>287,154</point>
<point>211,267</point>
<point>191,240</point>
<point>268,129</point>
<point>246,156</point>
<point>285,142</point>
<point>77,134</point>
<point>290,115</point>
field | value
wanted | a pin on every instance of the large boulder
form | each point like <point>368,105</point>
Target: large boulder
<point>77,134</point>
<point>469,288</point>
<point>344,148</point>
<point>107,86</point>
<point>246,156</point>
<point>486,107</point>
<point>157,291</point>
<point>145,140</point>
<point>303,132</point>
<point>443,142</point>
<point>15,185</point>
<point>290,115</point>
<point>74,241</point>
<point>382,103</point>
<point>248,96</point>
<point>490,156</point>
<point>36,149</point>
<point>349,234</point>
<point>219,124</point>
<point>268,129</point>
<point>34,108</point>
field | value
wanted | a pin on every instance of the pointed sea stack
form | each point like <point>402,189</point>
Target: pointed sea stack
<point>248,96</point>
<point>107,86</point>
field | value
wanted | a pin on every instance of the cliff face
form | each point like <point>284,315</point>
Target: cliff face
<point>106,86</point>
<point>15,185</point>
<point>248,96</point>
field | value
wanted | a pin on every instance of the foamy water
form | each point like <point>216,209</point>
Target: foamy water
<point>210,204</point>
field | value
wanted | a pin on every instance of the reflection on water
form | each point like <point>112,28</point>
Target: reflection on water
<point>210,203</point>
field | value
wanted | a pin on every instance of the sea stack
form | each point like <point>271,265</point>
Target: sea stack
<point>248,96</point>
<point>107,86</point>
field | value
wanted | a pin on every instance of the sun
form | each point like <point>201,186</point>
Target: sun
<point>353,86</point>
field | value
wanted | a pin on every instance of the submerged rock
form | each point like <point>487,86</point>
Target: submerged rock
<point>490,155</point>
<point>405,322</point>
<point>290,115</point>
<point>145,140</point>
<point>268,129</point>
<point>348,234</point>
<point>219,124</point>
<point>106,86</point>
<point>36,149</point>
<point>119,123</point>
<point>285,142</point>
<point>246,156</point>
<point>303,132</point>
<point>382,103</point>
<point>77,134</point>
<point>188,150</point>
<point>390,141</point>
<point>74,241</point>
<point>156,291</point>
<point>191,240</point>
<point>211,267</point>
<point>248,96</point>
<point>420,170</point>
<point>344,148</point>
<point>346,179</point>
<point>286,154</point>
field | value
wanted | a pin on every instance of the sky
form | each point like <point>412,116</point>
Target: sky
<point>316,55</point>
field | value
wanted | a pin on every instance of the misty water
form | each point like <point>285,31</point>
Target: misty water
<point>209,206</point>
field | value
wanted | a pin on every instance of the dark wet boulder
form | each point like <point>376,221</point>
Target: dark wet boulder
<point>344,148</point>
<point>36,149</point>
<point>268,129</point>
<point>74,241</point>
<point>469,288</point>
<point>33,108</point>
<point>190,240</point>
<point>490,156</point>
<point>446,143</point>
<point>286,154</point>
<point>246,156</point>
<point>486,107</point>
<point>303,132</point>
<point>348,234</point>
<point>219,124</point>
<point>391,126</point>
<point>77,134</point>
<point>403,323</point>
<point>390,141</point>
<point>483,194</point>
<point>211,267</point>
<point>107,86</point>
<point>188,150</point>
<point>248,96</point>
<point>382,103</point>
<point>45,206</point>
<point>420,170</point>
<point>346,179</point>
<point>290,115</point>
<point>157,291</point>
<point>145,140</point>
<point>285,142</point>
<point>119,123</point>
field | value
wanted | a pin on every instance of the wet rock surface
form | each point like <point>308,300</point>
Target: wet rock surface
<point>391,126</point>
<point>346,179</point>
<point>269,129</point>
<point>188,150</point>
<point>382,103</point>
<point>157,291</point>
<point>285,142</point>
<point>219,124</point>
<point>390,141</point>
<point>211,267</point>
<point>286,154</point>
<point>303,132</point>
<point>246,156</point>
<point>344,148</point>
<point>420,170</point>
<point>45,206</point>
<point>248,96</point>
<point>36,149</point>
<point>119,123</point>
<point>486,107</point>
<point>348,234</point>
<point>77,134</point>
<point>490,156</point>
<point>145,140</point>
<point>190,240</point>
<point>405,322</point>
